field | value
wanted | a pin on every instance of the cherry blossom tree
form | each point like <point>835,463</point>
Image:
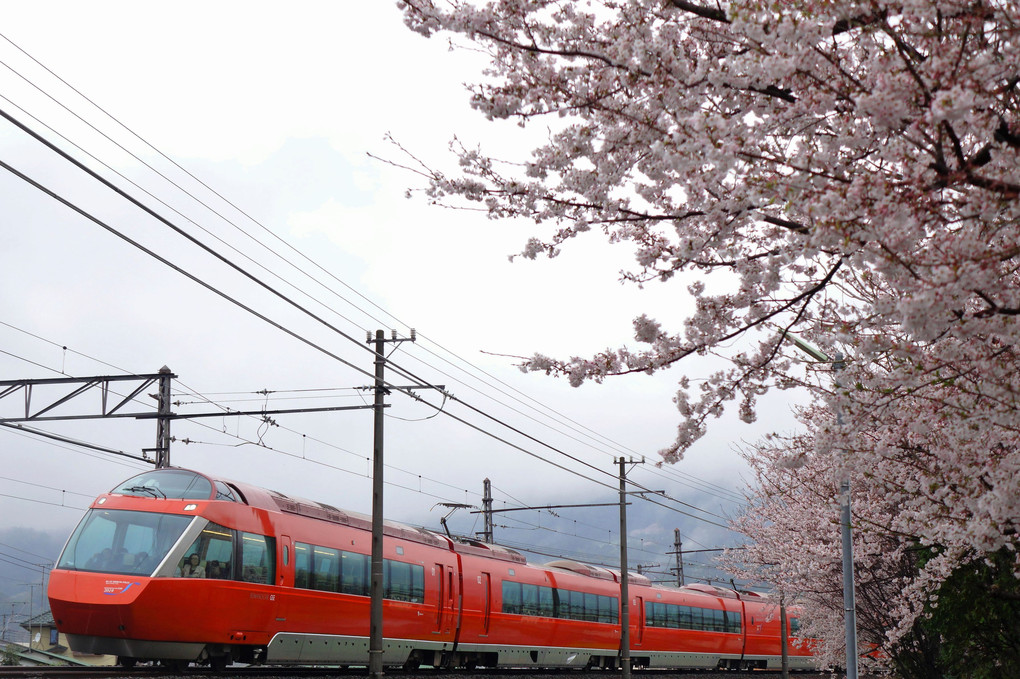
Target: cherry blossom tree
<point>792,522</point>
<point>932,505</point>
<point>845,170</point>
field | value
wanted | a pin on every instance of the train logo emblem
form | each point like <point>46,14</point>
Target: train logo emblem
<point>115,587</point>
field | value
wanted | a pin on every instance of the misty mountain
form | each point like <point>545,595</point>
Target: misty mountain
<point>25,555</point>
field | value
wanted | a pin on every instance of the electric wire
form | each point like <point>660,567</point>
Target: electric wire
<point>206,400</point>
<point>84,213</point>
<point>17,561</point>
<point>251,310</point>
<point>189,174</point>
<point>23,551</point>
<point>269,288</point>
<point>240,211</point>
<point>161,201</point>
<point>65,439</point>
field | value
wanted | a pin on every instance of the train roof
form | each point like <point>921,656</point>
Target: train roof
<point>488,550</point>
<point>178,482</point>
<point>597,572</point>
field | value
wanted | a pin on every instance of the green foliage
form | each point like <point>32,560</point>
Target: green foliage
<point>9,656</point>
<point>977,618</point>
<point>972,630</point>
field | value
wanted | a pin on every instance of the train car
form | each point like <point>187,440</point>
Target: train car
<point>721,628</point>
<point>177,567</point>
<point>174,566</point>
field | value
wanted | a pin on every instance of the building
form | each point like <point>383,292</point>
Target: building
<point>47,646</point>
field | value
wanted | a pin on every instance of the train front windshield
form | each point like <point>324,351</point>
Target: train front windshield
<point>122,542</point>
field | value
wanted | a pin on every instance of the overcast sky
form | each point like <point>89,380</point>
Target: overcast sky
<point>277,110</point>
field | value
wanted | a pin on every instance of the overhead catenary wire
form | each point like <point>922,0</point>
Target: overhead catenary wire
<point>244,441</point>
<point>250,218</point>
<point>84,213</point>
<point>332,327</point>
<point>289,301</point>
<point>221,197</point>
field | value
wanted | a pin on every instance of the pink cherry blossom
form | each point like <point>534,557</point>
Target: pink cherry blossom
<point>848,171</point>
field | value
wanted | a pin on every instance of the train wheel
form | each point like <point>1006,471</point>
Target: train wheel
<point>175,666</point>
<point>218,663</point>
<point>125,662</point>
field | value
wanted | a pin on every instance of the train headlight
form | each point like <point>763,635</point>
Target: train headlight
<point>190,508</point>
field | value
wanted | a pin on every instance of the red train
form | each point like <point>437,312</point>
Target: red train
<point>177,567</point>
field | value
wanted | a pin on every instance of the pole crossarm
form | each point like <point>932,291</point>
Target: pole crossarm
<point>85,384</point>
<point>523,509</point>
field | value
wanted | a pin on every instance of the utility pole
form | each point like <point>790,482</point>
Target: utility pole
<point>678,549</point>
<point>163,420</point>
<point>487,535</point>
<point>375,632</point>
<point>846,535</point>
<point>624,591</point>
<point>784,635</point>
<point>31,611</point>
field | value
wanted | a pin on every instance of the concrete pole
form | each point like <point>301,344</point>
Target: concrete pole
<point>784,635</point>
<point>375,642</point>
<point>624,593</point>
<point>487,511</point>
<point>849,596</point>
<point>163,422</point>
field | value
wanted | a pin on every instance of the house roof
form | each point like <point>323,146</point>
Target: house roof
<point>44,619</point>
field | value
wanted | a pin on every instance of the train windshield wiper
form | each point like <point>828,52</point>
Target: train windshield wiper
<point>148,490</point>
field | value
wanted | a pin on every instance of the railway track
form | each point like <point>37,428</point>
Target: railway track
<point>159,672</point>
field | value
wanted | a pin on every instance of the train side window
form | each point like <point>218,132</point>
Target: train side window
<point>546,605</point>
<point>354,573</point>
<point>529,599</point>
<point>396,580</point>
<point>576,605</point>
<point>223,492</point>
<point>403,581</point>
<point>258,558</point>
<point>219,552</point>
<point>733,622</point>
<point>591,607</point>
<point>673,616</point>
<point>512,597</point>
<point>794,627</point>
<point>652,614</point>
<point>562,597</point>
<point>607,610</point>
<point>302,565</point>
<point>418,584</point>
<point>325,569</point>
<point>686,618</point>
<point>698,619</point>
<point>214,547</point>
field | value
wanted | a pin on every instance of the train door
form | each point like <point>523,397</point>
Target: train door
<point>451,607</point>
<point>284,571</point>
<point>438,572</point>
<point>637,617</point>
<point>745,621</point>
<point>487,602</point>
